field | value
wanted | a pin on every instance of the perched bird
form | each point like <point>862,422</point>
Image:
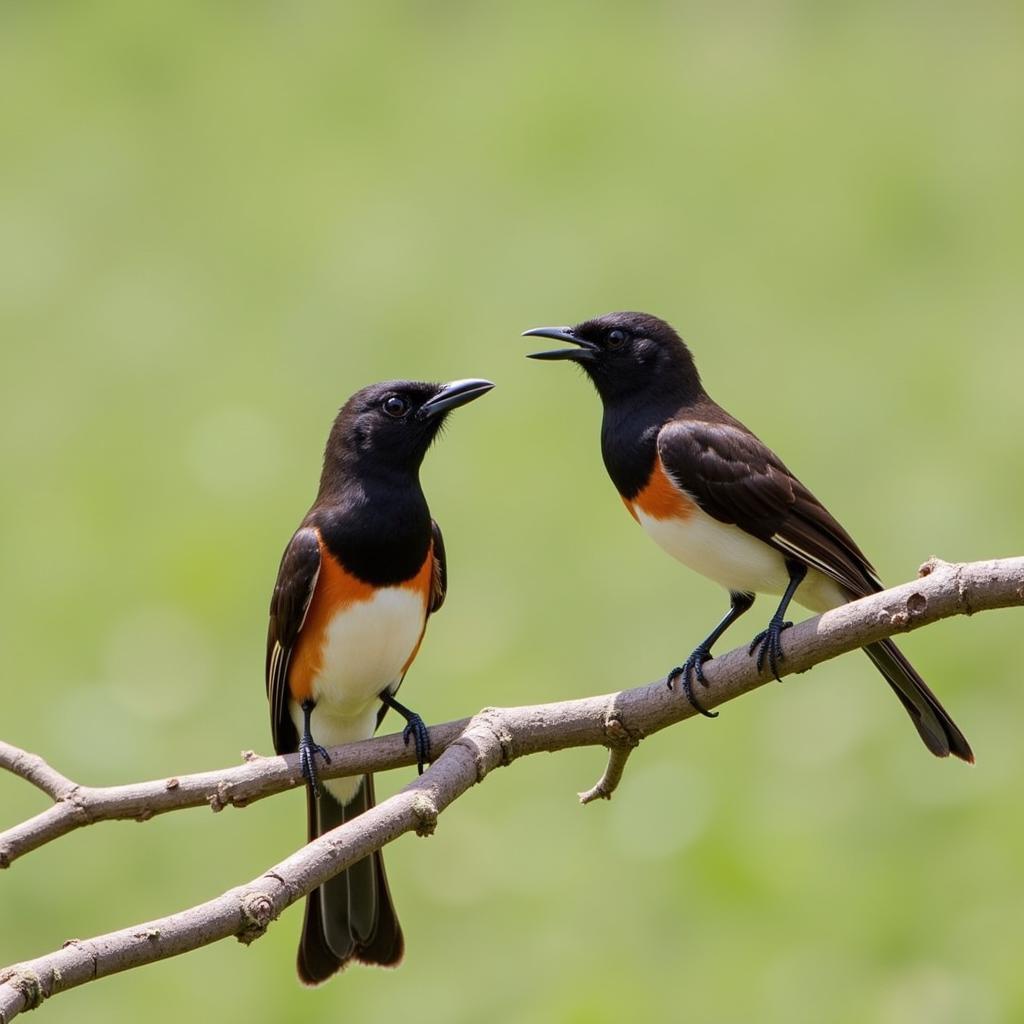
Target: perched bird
<point>356,584</point>
<point>720,501</point>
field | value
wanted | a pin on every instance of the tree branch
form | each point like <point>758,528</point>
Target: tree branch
<point>75,806</point>
<point>469,750</point>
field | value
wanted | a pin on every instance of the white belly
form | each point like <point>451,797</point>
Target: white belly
<point>366,647</point>
<point>734,559</point>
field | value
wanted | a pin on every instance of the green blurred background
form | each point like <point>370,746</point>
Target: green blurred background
<point>218,220</point>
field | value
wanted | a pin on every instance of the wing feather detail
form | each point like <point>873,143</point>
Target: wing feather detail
<point>439,569</point>
<point>289,605</point>
<point>737,479</point>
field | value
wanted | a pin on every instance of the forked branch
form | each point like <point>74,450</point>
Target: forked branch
<point>466,751</point>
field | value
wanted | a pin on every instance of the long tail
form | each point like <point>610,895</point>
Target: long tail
<point>939,732</point>
<point>351,917</point>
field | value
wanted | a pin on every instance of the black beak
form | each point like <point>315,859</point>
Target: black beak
<point>584,353</point>
<point>452,395</point>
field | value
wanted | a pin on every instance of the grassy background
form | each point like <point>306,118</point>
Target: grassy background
<point>218,220</point>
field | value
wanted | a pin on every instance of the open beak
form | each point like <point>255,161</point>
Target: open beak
<point>452,395</point>
<point>583,353</point>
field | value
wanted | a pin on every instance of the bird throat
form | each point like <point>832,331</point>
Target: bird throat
<point>629,443</point>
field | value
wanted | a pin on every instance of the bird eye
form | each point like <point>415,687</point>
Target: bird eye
<point>616,339</point>
<point>395,406</point>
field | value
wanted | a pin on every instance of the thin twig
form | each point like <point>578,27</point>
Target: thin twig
<point>610,777</point>
<point>32,768</point>
<point>257,777</point>
<point>621,743</point>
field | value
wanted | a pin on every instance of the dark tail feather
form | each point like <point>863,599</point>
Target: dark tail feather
<point>351,917</point>
<point>937,729</point>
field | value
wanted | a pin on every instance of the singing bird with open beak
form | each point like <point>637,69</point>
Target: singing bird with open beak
<point>716,498</point>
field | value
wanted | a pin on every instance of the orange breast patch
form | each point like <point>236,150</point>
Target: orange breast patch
<point>661,498</point>
<point>421,582</point>
<point>336,589</point>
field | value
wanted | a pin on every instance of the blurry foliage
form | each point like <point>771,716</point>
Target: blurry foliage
<point>218,220</point>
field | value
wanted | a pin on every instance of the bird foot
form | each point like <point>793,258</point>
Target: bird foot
<point>308,750</point>
<point>416,730</point>
<point>692,668</point>
<point>768,644</point>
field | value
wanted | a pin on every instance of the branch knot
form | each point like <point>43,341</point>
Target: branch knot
<point>221,798</point>
<point>257,912</point>
<point>618,733</point>
<point>963,591</point>
<point>425,809</point>
<point>26,983</point>
<point>88,948</point>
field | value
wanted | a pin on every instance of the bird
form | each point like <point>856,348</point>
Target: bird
<point>711,494</point>
<point>356,585</point>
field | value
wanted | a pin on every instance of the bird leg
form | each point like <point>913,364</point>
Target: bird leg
<point>693,667</point>
<point>768,642</point>
<point>309,748</point>
<point>415,729</point>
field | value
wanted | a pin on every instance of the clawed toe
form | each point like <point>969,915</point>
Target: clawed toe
<point>692,668</point>
<point>768,644</point>
<point>417,731</point>
<point>308,751</point>
<point>309,748</point>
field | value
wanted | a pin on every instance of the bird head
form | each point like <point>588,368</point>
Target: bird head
<point>625,354</point>
<point>389,426</point>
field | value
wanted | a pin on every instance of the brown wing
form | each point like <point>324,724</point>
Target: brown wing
<point>439,575</point>
<point>296,581</point>
<point>737,479</point>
